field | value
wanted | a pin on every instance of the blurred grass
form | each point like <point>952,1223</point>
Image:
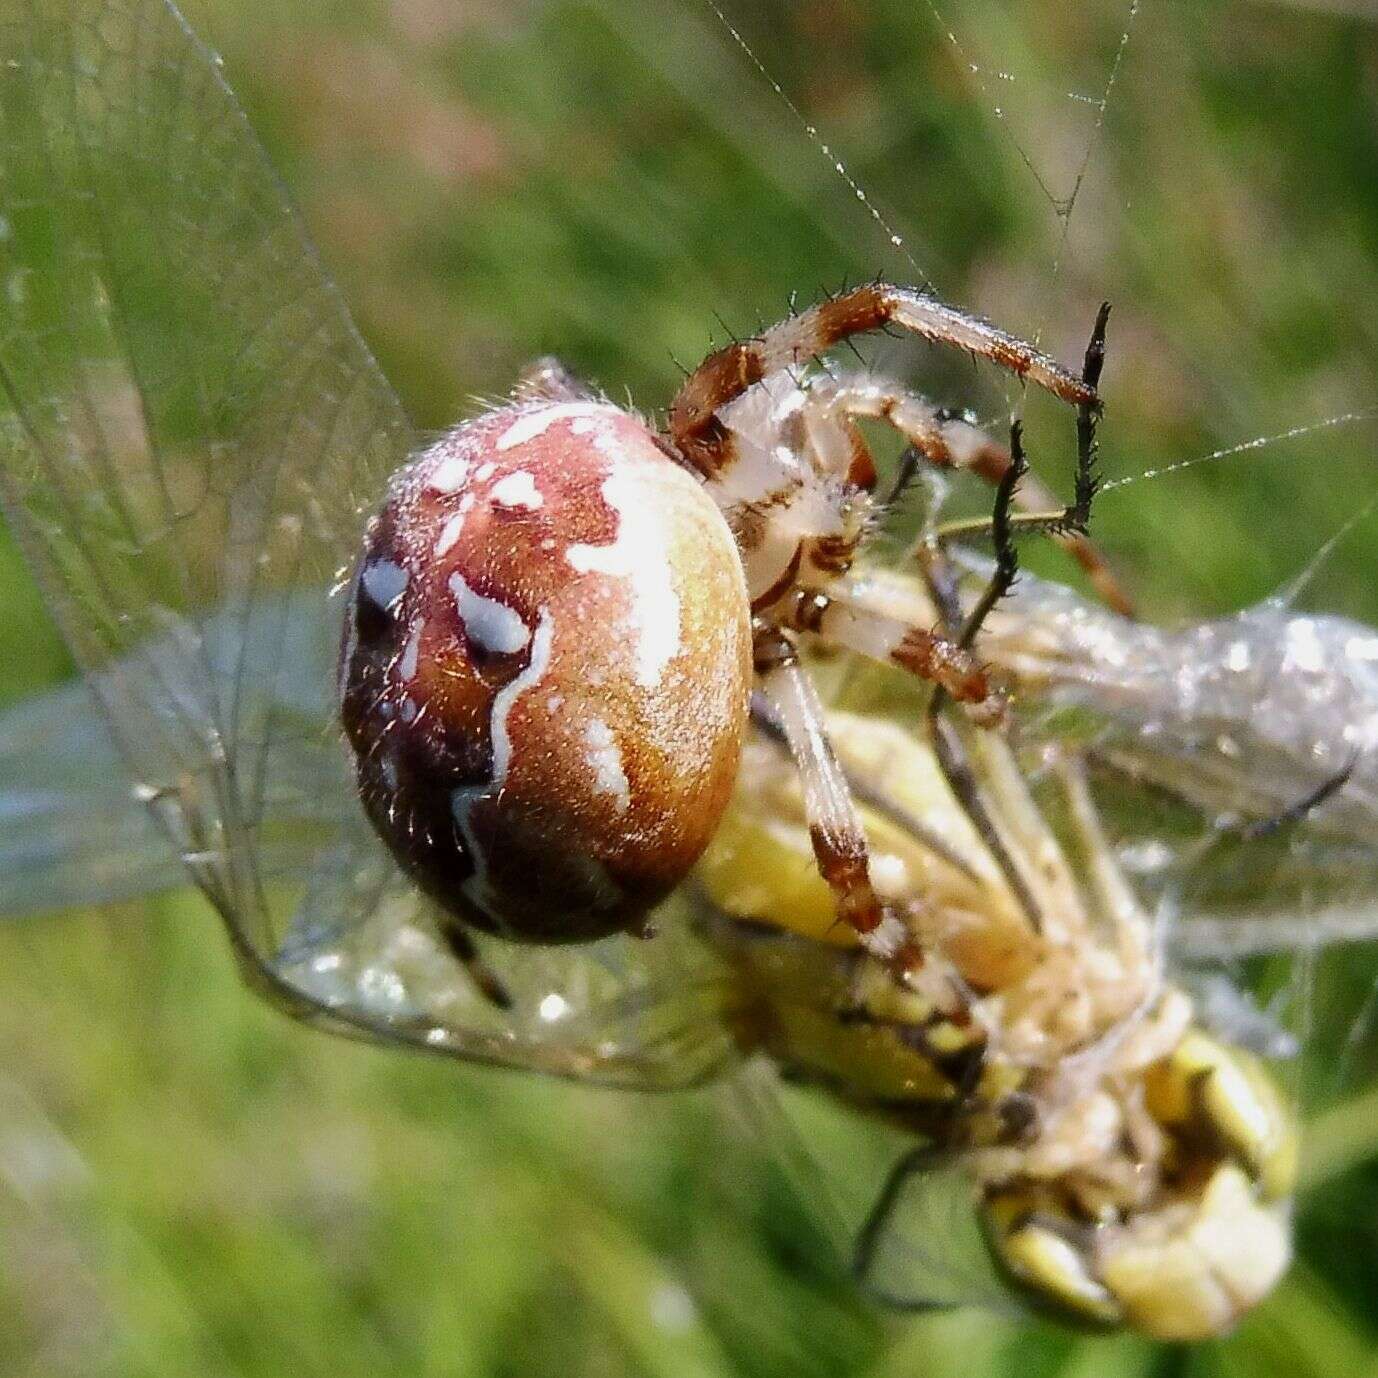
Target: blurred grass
<point>187,1184</point>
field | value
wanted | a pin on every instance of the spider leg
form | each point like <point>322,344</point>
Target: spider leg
<point>701,437</point>
<point>1076,516</point>
<point>870,795</point>
<point>949,441</point>
<point>837,448</point>
<point>948,749</point>
<point>942,437</point>
<point>852,625</point>
<point>839,843</point>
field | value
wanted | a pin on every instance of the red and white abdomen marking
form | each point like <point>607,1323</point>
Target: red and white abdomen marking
<point>545,670</point>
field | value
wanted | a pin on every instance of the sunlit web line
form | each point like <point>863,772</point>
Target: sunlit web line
<point>1063,206</point>
<point>1064,211</point>
<point>976,71</point>
<point>1261,442</point>
<point>1295,587</point>
<point>896,239</point>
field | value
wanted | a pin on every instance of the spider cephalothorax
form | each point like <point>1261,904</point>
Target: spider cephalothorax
<point>559,614</point>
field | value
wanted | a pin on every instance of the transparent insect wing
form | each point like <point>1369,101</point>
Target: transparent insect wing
<point>904,1217</point>
<point>73,835</point>
<point>193,417</point>
<point>1233,759</point>
<point>194,434</point>
<point>69,835</point>
<point>921,1246</point>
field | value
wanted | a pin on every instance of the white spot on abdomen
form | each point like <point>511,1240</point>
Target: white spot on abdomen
<point>507,696</point>
<point>518,489</point>
<point>532,423</point>
<point>605,760</point>
<point>411,656</point>
<point>384,581</point>
<point>488,624</point>
<point>639,554</point>
<point>449,534</point>
<point>450,474</point>
<point>462,800</point>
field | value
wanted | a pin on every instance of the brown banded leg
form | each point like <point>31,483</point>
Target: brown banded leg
<point>852,625</point>
<point>948,441</point>
<point>839,844</point>
<point>945,441</point>
<point>951,441</point>
<point>941,437</point>
<point>700,435</point>
<point>870,795</point>
<point>1039,511</point>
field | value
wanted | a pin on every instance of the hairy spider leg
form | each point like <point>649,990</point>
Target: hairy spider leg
<point>930,655</point>
<point>949,441</point>
<point>1075,517</point>
<point>699,433</point>
<point>835,832</point>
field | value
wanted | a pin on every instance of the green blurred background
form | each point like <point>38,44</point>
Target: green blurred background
<point>188,1184</point>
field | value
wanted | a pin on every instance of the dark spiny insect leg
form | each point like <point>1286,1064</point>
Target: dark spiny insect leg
<point>1299,811</point>
<point>947,745</point>
<point>464,950</point>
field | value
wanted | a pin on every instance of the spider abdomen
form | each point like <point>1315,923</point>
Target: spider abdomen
<point>545,670</point>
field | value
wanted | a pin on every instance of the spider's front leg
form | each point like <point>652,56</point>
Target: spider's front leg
<point>799,500</point>
<point>697,428</point>
<point>839,844</point>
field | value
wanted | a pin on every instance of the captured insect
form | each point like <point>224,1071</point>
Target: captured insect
<point>436,729</point>
<point>1246,743</point>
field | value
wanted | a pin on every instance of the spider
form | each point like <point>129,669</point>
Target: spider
<point>559,615</point>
